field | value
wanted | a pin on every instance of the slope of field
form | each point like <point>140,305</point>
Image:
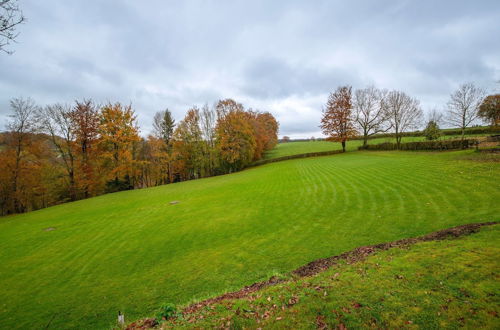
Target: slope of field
<point>440,284</point>
<point>78,264</point>
<point>302,147</point>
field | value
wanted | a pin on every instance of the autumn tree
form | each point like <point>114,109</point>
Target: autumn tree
<point>85,125</point>
<point>403,113</point>
<point>489,110</point>
<point>337,122</point>
<point>463,106</point>
<point>369,114</point>
<point>188,147</point>
<point>56,122</point>
<point>118,131</point>
<point>226,106</point>
<point>10,16</point>
<point>234,135</point>
<point>21,128</point>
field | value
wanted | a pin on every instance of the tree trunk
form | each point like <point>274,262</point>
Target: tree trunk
<point>343,146</point>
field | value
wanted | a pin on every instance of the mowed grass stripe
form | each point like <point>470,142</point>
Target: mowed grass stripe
<point>132,251</point>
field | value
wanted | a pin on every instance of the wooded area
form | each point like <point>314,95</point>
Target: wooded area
<point>62,153</point>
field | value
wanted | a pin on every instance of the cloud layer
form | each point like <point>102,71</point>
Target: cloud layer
<point>279,56</point>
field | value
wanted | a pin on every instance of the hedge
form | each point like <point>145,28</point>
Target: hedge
<point>309,154</point>
<point>424,145</point>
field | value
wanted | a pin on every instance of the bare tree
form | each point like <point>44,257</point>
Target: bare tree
<point>163,125</point>
<point>10,17</point>
<point>370,116</point>
<point>208,123</point>
<point>21,127</point>
<point>464,104</point>
<point>56,121</point>
<point>403,113</point>
<point>163,128</point>
<point>435,116</point>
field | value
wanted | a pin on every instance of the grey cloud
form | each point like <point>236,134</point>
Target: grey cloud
<point>275,78</point>
<point>280,56</point>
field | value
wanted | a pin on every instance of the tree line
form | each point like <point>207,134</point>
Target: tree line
<point>371,110</point>
<point>60,152</point>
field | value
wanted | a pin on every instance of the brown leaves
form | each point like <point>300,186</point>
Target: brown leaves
<point>337,122</point>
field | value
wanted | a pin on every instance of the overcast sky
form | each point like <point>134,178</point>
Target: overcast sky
<point>278,56</point>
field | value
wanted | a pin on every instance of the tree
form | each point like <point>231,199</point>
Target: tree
<point>435,116</point>
<point>85,122</point>
<point>370,116</point>
<point>235,135</point>
<point>463,106</point>
<point>224,107</point>
<point>489,110</point>
<point>118,130</point>
<point>432,131</point>
<point>56,122</point>
<point>403,113</point>
<point>285,139</point>
<point>10,16</point>
<point>270,129</point>
<point>208,121</point>
<point>163,128</point>
<point>163,125</point>
<point>337,122</point>
<point>21,127</point>
<point>188,149</point>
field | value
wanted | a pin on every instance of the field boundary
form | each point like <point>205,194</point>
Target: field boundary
<point>320,265</point>
<point>305,155</point>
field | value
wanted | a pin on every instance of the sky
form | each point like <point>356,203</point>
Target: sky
<point>278,56</point>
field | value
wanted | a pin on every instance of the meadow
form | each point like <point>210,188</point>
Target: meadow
<point>76,265</point>
<point>302,147</point>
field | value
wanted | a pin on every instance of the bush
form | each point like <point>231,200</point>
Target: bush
<point>432,131</point>
<point>166,312</point>
<point>425,145</point>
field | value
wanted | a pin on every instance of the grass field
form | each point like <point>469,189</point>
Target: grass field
<point>132,251</point>
<point>441,284</point>
<point>302,147</point>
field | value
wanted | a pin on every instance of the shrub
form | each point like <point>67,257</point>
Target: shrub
<point>432,131</point>
<point>425,145</point>
<point>166,312</point>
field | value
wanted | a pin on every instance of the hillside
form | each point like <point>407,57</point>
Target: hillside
<point>436,284</point>
<point>78,264</point>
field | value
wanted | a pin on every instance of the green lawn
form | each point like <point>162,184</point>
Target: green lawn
<point>132,251</point>
<point>442,284</point>
<point>302,147</point>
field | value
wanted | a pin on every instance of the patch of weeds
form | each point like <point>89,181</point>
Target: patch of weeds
<point>167,311</point>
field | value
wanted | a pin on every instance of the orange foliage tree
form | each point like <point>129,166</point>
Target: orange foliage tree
<point>337,122</point>
<point>85,123</point>
<point>235,135</point>
<point>118,131</point>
